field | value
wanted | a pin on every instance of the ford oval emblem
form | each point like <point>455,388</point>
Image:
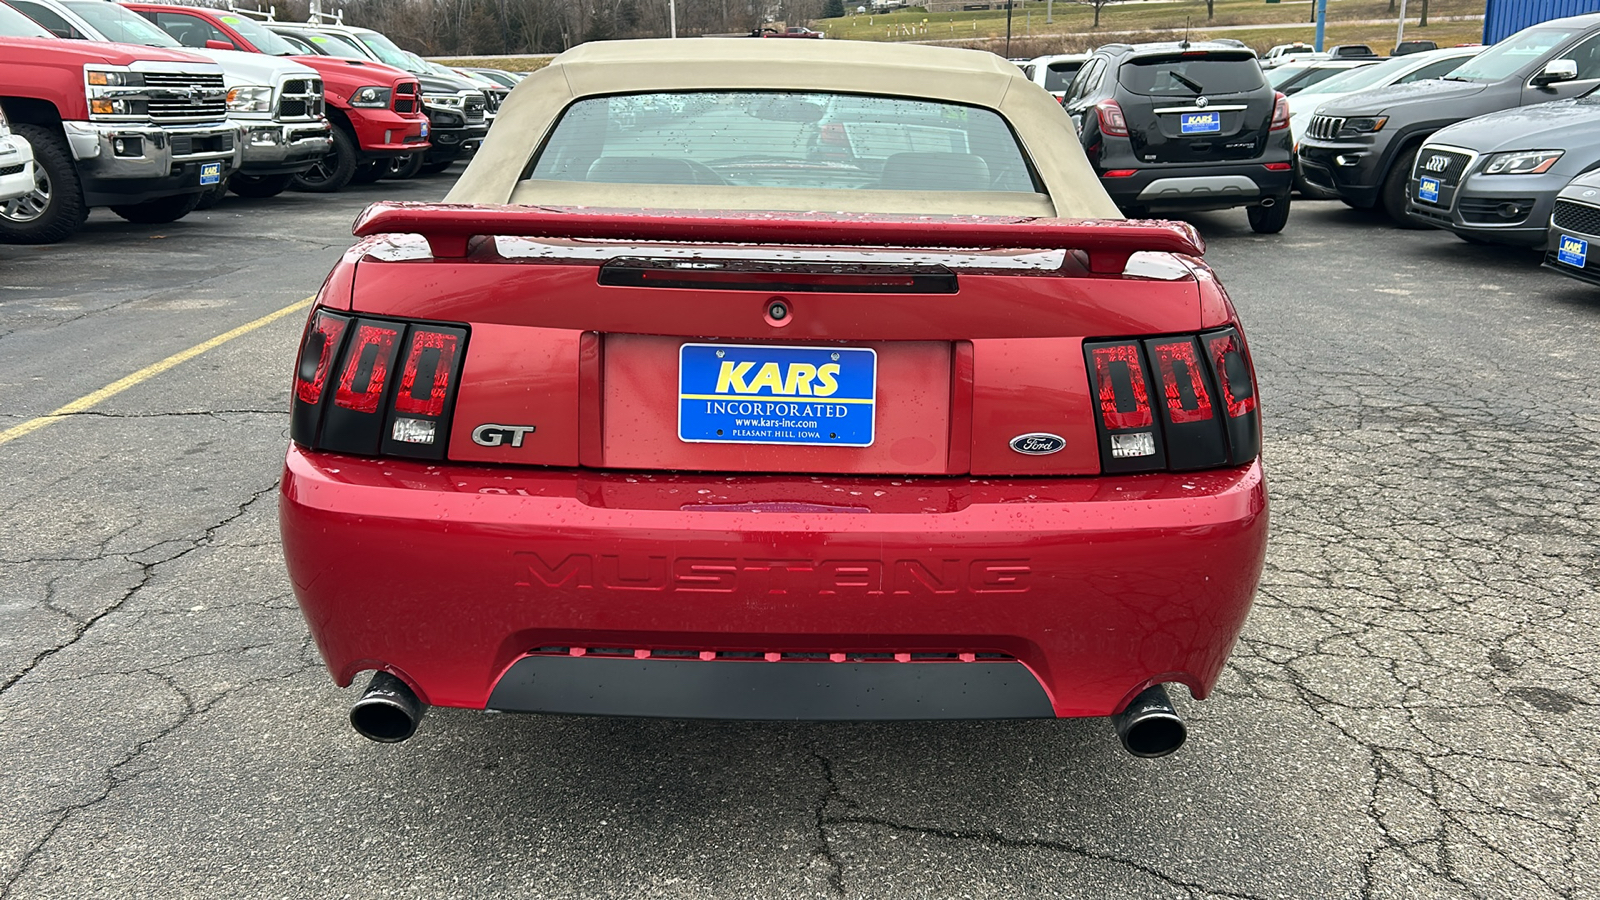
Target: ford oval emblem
<point>1038,443</point>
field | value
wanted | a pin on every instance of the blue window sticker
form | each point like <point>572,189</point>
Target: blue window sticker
<point>210,173</point>
<point>1428,190</point>
<point>1201,123</point>
<point>767,394</point>
<point>1572,251</point>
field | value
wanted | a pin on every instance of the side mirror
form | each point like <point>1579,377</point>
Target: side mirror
<point>1556,70</point>
<point>220,45</point>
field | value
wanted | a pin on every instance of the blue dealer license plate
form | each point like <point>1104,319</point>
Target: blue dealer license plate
<point>1572,251</point>
<point>1201,123</point>
<point>765,394</point>
<point>210,173</point>
<point>1428,190</point>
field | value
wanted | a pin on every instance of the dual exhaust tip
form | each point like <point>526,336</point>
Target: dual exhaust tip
<point>388,712</point>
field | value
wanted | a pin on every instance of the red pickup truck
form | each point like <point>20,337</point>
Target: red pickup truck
<point>376,110</point>
<point>139,129</point>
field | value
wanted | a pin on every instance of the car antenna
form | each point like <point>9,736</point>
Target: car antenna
<point>1185,44</point>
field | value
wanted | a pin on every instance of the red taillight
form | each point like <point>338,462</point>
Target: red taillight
<point>832,140</point>
<point>1119,173</point>
<point>1183,378</point>
<point>1205,416</point>
<point>366,368</point>
<point>394,386</point>
<point>1233,373</point>
<point>425,381</point>
<point>1112,122</point>
<point>1278,167</point>
<point>316,355</point>
<point>1119,376</point>
<point>1280,112</point>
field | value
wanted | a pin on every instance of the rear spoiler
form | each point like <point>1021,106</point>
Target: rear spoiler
<point>1108,242</point>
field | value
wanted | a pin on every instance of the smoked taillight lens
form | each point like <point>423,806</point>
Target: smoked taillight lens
<point>365,372</point>
<point>1129,441</point>
<point>392,386</point>
<point>1180,403</point>
<point>1195,439</point>
<point>1230,363</point>
<point>321,345</point>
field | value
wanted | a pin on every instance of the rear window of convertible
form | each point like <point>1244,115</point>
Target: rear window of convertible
<point>784,139</point>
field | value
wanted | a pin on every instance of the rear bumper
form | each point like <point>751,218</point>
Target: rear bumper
<point>453,577</point>
<point>1198,187</point>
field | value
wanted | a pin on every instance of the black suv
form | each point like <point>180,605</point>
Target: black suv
<point>1187,126</point>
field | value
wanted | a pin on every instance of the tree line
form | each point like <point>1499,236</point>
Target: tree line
<point>483,27</point>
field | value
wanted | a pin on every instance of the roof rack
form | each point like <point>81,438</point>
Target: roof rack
<point>318,17</point>
<point>270,14</point>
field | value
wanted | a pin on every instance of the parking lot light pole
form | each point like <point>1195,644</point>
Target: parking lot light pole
<point>1322,23</point>
<point>672,18</point>
<point>1400,29</point>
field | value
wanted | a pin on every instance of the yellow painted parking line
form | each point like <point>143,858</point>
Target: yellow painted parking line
<point>88,401</point>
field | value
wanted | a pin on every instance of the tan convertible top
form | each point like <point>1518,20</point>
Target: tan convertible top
<point>970,77</point>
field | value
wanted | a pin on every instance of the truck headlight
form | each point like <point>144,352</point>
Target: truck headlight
<point>448,101</point>
<point>250,98</point>
<point>371,97</point>
<point>114,92</point>
<point>112,77</point>
<point>1522,162</point>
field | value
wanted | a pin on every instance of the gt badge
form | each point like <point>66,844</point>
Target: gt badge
<point>1038,443</point>
<point>491,435</point>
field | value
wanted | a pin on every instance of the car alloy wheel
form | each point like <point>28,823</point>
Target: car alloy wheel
<point>32,205</point>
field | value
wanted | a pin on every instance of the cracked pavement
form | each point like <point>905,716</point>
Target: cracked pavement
<point>1410,713</point>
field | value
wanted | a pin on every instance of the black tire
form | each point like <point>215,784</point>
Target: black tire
<point>55,209</point>
<point>213,195</point>
<point>1393,194</point>
<point>1269,219</point>
<point>161,210</point>
<point>259,186</point>
<point>434,168</point>
<point>369,172</point>
<point>333,171</point>
<point>402,167</point>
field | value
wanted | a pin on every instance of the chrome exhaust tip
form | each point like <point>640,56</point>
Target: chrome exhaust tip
<point>1268,202</point>
<point>1150,727</point>
<point>388,712</point>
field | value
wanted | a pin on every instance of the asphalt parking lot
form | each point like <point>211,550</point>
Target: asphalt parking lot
<point>1411,712</point>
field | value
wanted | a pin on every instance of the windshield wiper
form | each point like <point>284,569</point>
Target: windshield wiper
<point>1198,89</point>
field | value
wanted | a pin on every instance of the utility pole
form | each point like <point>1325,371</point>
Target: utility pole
<point>1009,4</point>
<point>1049,11</point>
<point>1322,23</point>
<point>1400,29</point>
<point>672,16</point>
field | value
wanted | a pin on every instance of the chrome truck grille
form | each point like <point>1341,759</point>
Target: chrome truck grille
<point>301,98</point>
<point>177,96</point>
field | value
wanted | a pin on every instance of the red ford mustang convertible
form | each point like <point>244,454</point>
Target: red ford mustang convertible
<point>810,380</point>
